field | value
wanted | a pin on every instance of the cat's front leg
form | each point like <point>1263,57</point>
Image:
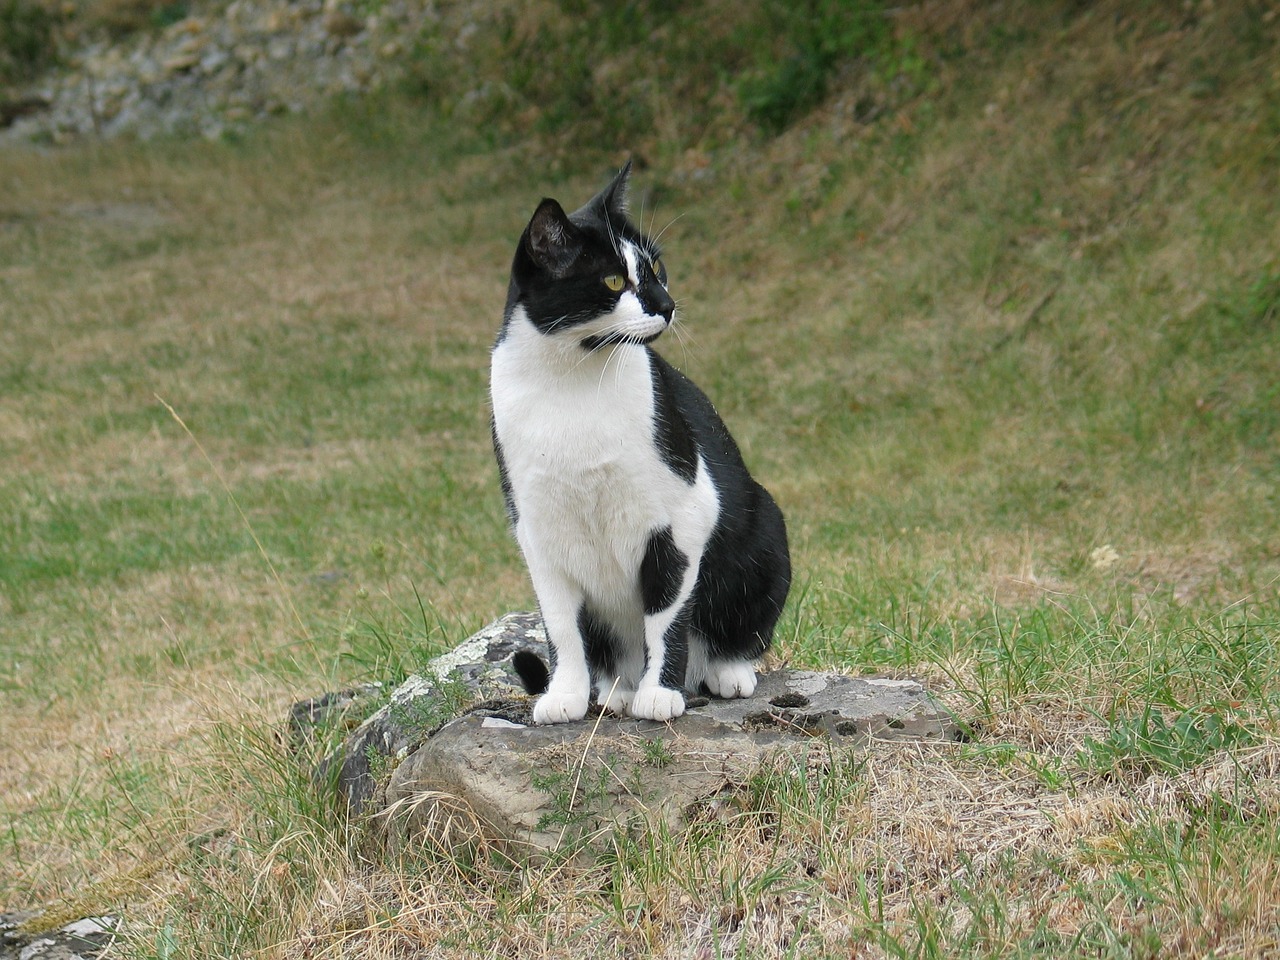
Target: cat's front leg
<point>569,690</point>
<point>657,703</point>
<point>666,582</point>
<point>660,694</point>
<point>560,704</point>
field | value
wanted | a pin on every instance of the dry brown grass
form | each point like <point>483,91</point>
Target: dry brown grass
<point>996,480</point>
<point>921,828</point>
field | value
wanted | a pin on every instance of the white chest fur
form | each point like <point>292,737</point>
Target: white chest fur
<point>588,483</point>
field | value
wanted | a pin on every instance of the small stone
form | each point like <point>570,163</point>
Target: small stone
<point>89,926</point>
<point>1104,557</point>
<point>37,948</point>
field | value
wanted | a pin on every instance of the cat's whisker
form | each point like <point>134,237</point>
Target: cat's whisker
<point>624,356</point>
<point>647,230</point>
<point>685,338</point>
<point>613,238</point>
<point>617,327</point>
<point>586,355</point>
<point>555,324</point>
<point>677,313</point>
<point>608,359</point>
<point>604,370</point>
<point>657,237</point>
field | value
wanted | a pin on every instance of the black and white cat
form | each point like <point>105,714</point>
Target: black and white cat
<point>659,564</point>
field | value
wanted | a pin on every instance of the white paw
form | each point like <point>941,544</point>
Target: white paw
<point>558,707</point>
<point>657,703</point>
<point>616,700</point>
<point>731,678</point>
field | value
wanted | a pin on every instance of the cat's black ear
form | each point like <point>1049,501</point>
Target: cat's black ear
<point>610,204</point>
<point>614,197</point>
<point>551,240</point>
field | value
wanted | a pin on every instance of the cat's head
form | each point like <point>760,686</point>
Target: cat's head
<point>591,276</point>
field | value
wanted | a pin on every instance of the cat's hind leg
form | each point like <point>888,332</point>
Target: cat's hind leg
<point>731,678</point>
<point>726,677</point>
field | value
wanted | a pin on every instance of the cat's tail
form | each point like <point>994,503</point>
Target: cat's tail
<point>533,671</point>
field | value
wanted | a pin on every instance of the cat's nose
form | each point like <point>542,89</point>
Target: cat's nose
<point>662,304</point>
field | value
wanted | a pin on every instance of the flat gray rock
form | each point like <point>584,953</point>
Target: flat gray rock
<point>537,789</point>
<point>82,939</point>
<point>453,757</point>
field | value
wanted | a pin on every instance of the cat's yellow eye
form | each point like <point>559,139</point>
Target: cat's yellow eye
<point>659,269</point>
<point>614,282</point>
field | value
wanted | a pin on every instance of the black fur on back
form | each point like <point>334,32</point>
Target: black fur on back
<point>746,568</point>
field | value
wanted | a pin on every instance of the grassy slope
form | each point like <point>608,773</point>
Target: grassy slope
<point>1006,353</point>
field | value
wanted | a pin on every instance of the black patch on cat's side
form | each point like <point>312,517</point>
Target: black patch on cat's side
<point>661,571</point>
<point>671,434</point>
<point>533,672</point>
<point>600,643</point>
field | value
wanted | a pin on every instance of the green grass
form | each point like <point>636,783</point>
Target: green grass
<point>1001,338</point>
<point>26,40</point>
